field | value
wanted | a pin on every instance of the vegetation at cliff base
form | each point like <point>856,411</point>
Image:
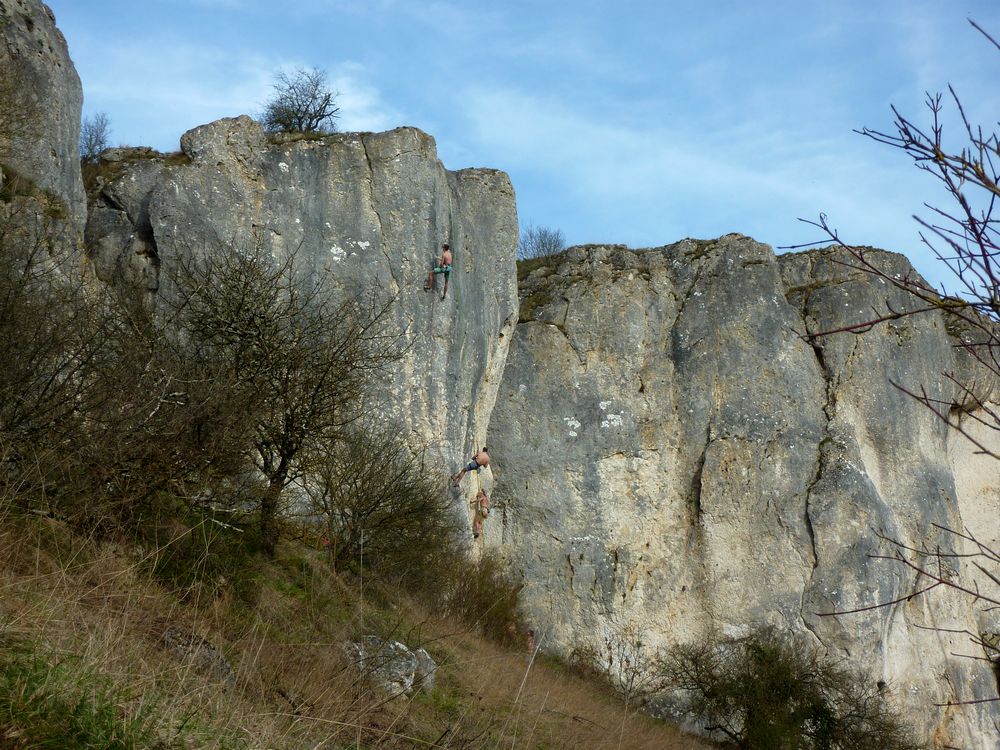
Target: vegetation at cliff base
<point>765,692</point>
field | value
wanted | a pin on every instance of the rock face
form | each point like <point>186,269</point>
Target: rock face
<point>391,666</point>
<point>40,101</point>
<point>373,207</point>
<point>674,459</point>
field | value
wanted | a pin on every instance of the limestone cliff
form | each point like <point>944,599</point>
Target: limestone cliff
<point>374,208</point>
<point>40,100</point>
<point>673,456</point>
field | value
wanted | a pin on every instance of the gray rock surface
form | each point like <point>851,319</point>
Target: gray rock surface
<point>375,207</point>
<point>199,653</point>
<point>423,675</point>
<point>390,665</point>
<point>674,459</point>
<point>40,101</point>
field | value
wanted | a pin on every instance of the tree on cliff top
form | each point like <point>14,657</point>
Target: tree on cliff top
<point>95,135</point>
<point>535,242</point>
<point>302,103</point>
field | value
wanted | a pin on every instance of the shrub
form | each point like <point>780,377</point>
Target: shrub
<point>100,410</point>
<point>200,554</point>
<point>764,692</point>
<point>46,345</point>
<point>296,358</point>
<point>379,511</point>
<point>485,595</point>
<point>537,242</point>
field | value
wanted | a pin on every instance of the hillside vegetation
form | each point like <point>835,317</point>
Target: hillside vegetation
<point>87,658</point>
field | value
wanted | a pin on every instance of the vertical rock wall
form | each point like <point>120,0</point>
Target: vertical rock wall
<point>375,208</point>
<point>40,101</point>
<point>674,458</point>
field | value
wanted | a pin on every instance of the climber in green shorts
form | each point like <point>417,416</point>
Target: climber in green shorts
<point>444,267</point>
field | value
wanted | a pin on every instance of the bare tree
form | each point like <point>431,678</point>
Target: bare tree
<point>302,103</point>
<point>98,411</point>
<point>965,237</point>
<point>377,507</point>
<point>95,134</point>
<point>302,358</point>
<point>535,242</point>
<point>45,344</point>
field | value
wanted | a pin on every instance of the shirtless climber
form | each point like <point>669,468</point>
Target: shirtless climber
<point>479,461</point>
<point>443,266</point>
<point>482,511</point>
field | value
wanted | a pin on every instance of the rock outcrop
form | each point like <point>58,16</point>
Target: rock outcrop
<point>676,459</point>
<point>391,666</point>
<point>40,101</point>
<point>199,653</point>
<point>374,208</point>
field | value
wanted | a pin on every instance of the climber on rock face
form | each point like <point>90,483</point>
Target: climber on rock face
<point>482,510</point>
<point>444,267</point>
<point>479,461</point>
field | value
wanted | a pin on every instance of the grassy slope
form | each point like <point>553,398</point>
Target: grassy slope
<point>82,661</point>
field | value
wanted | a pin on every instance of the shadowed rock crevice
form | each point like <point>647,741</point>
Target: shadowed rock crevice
<point>375,206</point>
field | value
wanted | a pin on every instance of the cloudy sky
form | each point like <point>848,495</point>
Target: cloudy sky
<point>634,121</point>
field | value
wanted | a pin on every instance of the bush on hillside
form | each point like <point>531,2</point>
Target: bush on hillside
<point>379,511</point>
<point>485,595</point>
<point>300,360</point>
<point>764,692</point>
<point>200,553</point>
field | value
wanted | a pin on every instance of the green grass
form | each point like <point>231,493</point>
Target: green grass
<point>47,703</point>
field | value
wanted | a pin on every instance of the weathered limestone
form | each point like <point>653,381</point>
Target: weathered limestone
<point>391,666</point>
<point>674,457</point>
<point>373,207</point>
<point>40,101</point>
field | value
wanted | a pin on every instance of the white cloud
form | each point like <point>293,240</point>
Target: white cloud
<point>361,104</point>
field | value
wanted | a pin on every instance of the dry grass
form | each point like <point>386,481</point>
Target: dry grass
<point>98,607</point>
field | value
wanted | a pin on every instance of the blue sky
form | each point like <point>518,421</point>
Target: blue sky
<point>632,122</point>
